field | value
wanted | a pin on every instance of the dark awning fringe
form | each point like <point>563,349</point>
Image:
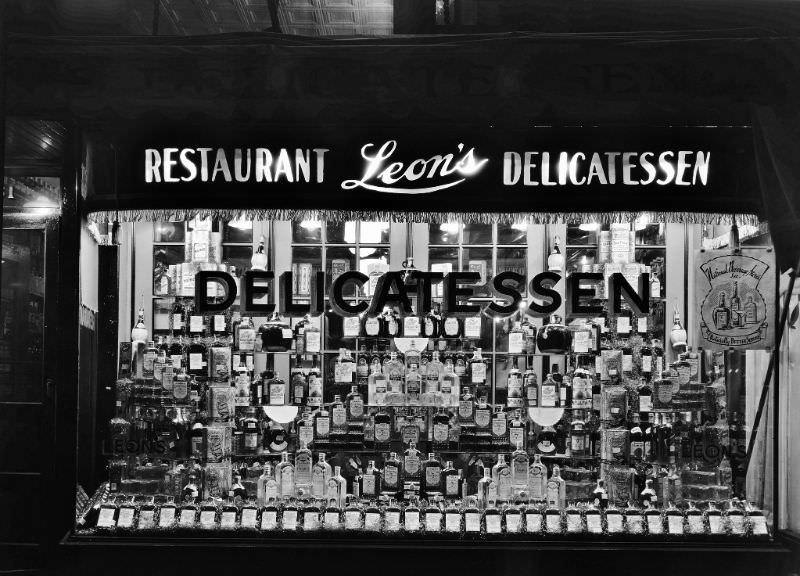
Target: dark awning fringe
<point>164,215</point>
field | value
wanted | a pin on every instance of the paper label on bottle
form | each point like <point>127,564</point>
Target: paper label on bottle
<point>277,394</point>
<point>289,520</point>
<point>166,517</point>
<point>433,476</point>
<point>269,520</point>
<point>483,417</point>
<point>352,520</point>
<point>411,465</point>
<point>106,518</point>
<point>654,525</point>
<point>533,522</point>
<point>645,403</point>
<point>177,361</point>
<point>195,361</point>
<point>382,432</point>
<point>641,324</point>
<point>247,339</point>
<point>452,522</point>
<point>478,372</point>
<point>627,363</point>
<point>313,342</point>
<point>195,323</point>
<point>715,524</point>
<point>553,523</point>
<point>513,521</point>
<point>675,524</point>
<point>736,522</point>
<point>574,523</point>
<point>635,523</point>
<point>614,523</point>
<point>593,525</point>
<point>332,521</point>
<point>372,521</point>
<point>368,484</point>
<point>310,520</point>
<point>146,520</point>
<point>412,521</point>
<point>228,519</point>
<point>472,521</point>
<point>411,326</point>
<point>759,525</point>
<point>516,436</point>
<point>125,519</point>
<point>392,520</point>
<point>208,518</point>
<point>186,519</point>
<point>695,524</point>
<point>323,425</point>
<point>623,325</point>
<point>472,327</point>
<point>249,517</point>
<point>433,521</point>
<point>177,321</point>
<point>580,341</point>
<point>549,396</point>
<point>351,326</point>
<point>516,341</point>
<point>647,363</point>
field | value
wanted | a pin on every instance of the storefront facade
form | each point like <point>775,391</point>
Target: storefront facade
<point>585,204</point>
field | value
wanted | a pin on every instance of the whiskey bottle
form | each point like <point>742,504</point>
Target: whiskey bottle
<point>565,392</point>
<point>284,474</point>
<point>383,429</point>
<point>487,490</point>
<point>512,519</point>
<point>472,517</point>
<point>394,370</point>
<point>441,430</point>
<point>269,515</point>
<point>432,476</point>
<point>391,483</point>
<point>413,386</point>
<point>337,488</point>
<point>531,385</point>
<point>277,390</point>
<point>451,481</point>
<point>299,383</point>
<point>245,335</point>
<point>303,465</point>
<point>433,518</point>
<point>338,419</point>
<point>252,431</point>
<point>478,367</point>
<point>312,338</point>
<point>377,388</point>
<point>520,470</point>
<point>466,406</point>
<point>551,393</point>
<point>516,339</point>
<point>198,361</point>
<point>501,475</point>
<point>537,487</point>
<point>556,489</point>
<point>411,463</point>
<point>267,489</point>
<point>177,318</point>
<point>370,482</point>
<point>322,425</point>
<point>148,360</point>
<point>514,386</point>
<point>578,440</point>
<point>449,387</point>
<point>516,430</point>
<point>355,406</point>
<point>434,371</point>
<point>499,427</point>
<point>320,474</point>
<point>600,495</point>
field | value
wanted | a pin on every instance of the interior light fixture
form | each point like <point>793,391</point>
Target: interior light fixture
<point>311,225</point>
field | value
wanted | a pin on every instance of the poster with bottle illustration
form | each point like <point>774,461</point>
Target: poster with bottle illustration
<point>735,295</point>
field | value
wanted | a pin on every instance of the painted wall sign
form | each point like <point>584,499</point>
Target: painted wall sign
<point>736,299</point>
<point>381,170</point>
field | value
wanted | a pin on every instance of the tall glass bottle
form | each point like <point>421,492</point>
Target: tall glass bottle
<point>284,474</point>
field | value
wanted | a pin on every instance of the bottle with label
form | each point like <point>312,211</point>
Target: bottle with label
<point>655,285</point>
<point>245,335</point>
<point>303,465</point>
<point>600,495</point>
<point>412,463</point>
<point>322,424</point>
<point>383,429</point>
<point>449,386</point>
<point>149,359</point>
<point>176,353</point>
<point>276,388</point>
<point>394,370</point>
<point>483,419</point>
<point>487,490</point>
<point>413,386</point>
<point>565,392</point>
<point>648,497</point>
<point>451,327</point>
<point>556,489</point>
<point>472,517</point>
<point>537,487</point>
<point>338,418</point>
<point>551,393</point>
<point>434,372</point>
<point>315,385</point>
<point>163,372</point>
<point>520,470</point>
<point>516,339</point>
<point>501,474</point>
<point>198,361</point>
<point>478,367</point>
<point>578,439</point>
<point>391,483</point>
<point>431,325</point>
<point>373,326</point>
<point>391,323</point>
<point>267,489</point>
<point>514,386</point>
<point>432,476</point>
<point>466,406</point>
<point>441,429</point>
<point>178,312</point>
<point>337,488</point>
<point>355,406</point>
<point>499,427</point>
<point>252,431</point>
<point>312,340</point>
<point>517,433</point>
<point>530,384</point>
<point>451,481</point>
<point>299,384</point>
<point>370,481</point>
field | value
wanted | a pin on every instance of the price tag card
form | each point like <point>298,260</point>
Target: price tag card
<point>675,525</point>
<point>310,521</point>
<point>737,524</point>
<point>219,323</point>
<point>147,520</point>
<point>166,517</point>
<point>493,524</point>
<point>313,342</point>
<point>195,361</point>
<point>574,523</point>
<point>623,325</point>
<point>351,326</point>
<point>715,524</point>
<point>195,323</point>
<point>472,327</point>
<point>512,523</point>
<point>759,524</point>
<point>533,522</point>
<point>392,521</point>
<point>433,521</point>
<point>593,524</point>
<point>580,341</point>
<point>332,521</point>
<point>554,523</point>
<point>269,520</point>
<point>186,519</point>
<point>515,341</point>
<point>654,525</point>
<point>125,519</point>
<point>228,520</point>
<point>641,324</point>
<point>614,522</point>
<point>472,521</point>
<point>452,522</point>
<point>287,334</point>
<point>289,520</point>
<point>412,521</point>
<point>352,520</point>
<point>372,521</point>
<point>208,518</point>
<point>106,518</point>
<point>411,326</point>
<point>695,522</point>
<point>249,517</point>
<point>635,523</point>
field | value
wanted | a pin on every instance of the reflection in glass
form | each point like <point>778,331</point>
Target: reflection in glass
<point>340,232</point>
<point>307,232</point>
<point>444,233</point>
<point>338,260</point>
<point>237,232</point>
<point>478,260</point>
<point>581,259</point>
<point>169,232</point>
<point>306,262</point>
<point>165,255</point>
<point>650,234</point>
<point>512,260</point>
<point>656,259</point>
<point>238,256</point>
<point>512,233</point>
<point>477,234</point>
<point>374,233</point>
<point>162,308</point>
<point>582,234</point>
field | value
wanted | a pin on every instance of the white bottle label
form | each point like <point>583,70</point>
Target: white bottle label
<point>472,521</point>
<point>146,519</point>
<point>472,327</point>
<point>654,525</point>
<point>166,517</point>
<point>451,326</point>
<point>228,520</point>
<point>641,324</point>
<point>675,524</point>
<point>554,523</point>
<point>451,485</point>
<point>452,522</point>
<point>513,523</point>
<point>433,476</point>
<point>368,483</point>
<point>647,363</point>
<point>715,524</point>
<point>412,521</point>
<point>323,426</point>
<point>125,519</point>
<point>759,524</point>
<point>289,520</point>
<point>332,521</point>
<point>645,403</point>
<point>310,521</point>
<point>372,521</point>
<point>737,524</point>
<point>208,518</point>
<point>392,521</point>
<point>195,361</point>
<point>593,524</point>
<point>411,465</point>
<point>411,326</point>
<point>313,342</point>
<point>433,521</point>
<point>277,394</point>
<point>195,323</point>
<point>351,327</point>
<point>478,372</point>
<point>580,341</point>
<point>483,417</point>
<point>499,425</point>
<point>186,518</point>
<point>695,522</point>
<point>533,522</point>
<point>269,520</point>
<point>614,522</point>
<point>249,518</point>
<point>623,325</point>
<point>352,520</point>
<point>515,342</point>
<point>574,523</point>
